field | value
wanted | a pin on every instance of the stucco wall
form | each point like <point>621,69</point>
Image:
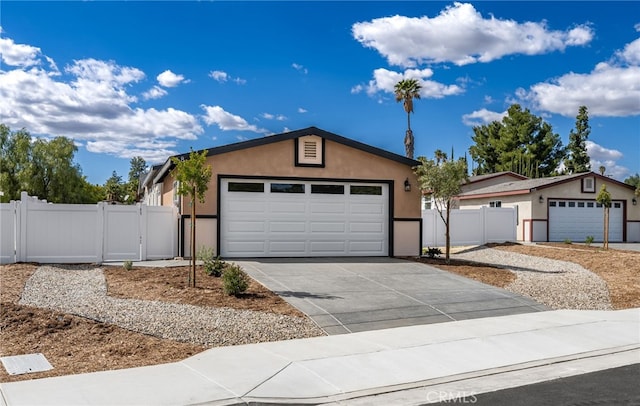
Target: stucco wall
<point>277,159</point>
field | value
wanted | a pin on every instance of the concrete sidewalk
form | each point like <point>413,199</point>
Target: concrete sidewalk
<point>406,365</point>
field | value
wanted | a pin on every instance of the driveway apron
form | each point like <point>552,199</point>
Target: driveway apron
<point>344,295</point>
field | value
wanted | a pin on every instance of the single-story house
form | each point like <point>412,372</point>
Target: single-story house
<point>304,193</point>
<point>562,208</point>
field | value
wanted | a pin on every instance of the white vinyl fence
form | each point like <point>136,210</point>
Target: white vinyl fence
<point>470,227</point>
<point>37,231</point>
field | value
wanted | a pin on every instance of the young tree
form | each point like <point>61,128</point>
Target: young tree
<point>522,143</point>
<point>406,90</point>
<point>137,167</point>
<point>193,178</point>
<point>577,160</point>
<point>442,179</point>
<point>604,198</point>
<point>114,188</point>
<point>633,180</point>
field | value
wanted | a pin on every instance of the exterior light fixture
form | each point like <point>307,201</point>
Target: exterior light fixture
<point>407,185</point>
<point>634,201</point>
<point>541,199</point>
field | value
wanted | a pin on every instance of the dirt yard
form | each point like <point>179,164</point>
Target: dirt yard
<point>77,345</point>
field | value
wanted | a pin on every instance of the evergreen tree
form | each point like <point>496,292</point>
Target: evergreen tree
<point>577,160</point>
<point>522,143</point>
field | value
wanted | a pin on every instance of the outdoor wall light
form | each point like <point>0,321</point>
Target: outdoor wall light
<point>407,185</point>
<point>541,199</point>
<point>634,201</point>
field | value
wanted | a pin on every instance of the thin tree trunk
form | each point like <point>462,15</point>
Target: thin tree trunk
<point>192,274</point>
<point>606,228</point>
<point>447,235</point>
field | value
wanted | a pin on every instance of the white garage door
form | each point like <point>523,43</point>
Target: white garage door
<point>281,218</point>
<point>575,220</point>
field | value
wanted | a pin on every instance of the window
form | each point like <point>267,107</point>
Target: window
<point>589,185</point>
<point>572,204</point>
<point>309,151</point>
<point>328,189</point>
<point>617,205</point>
<point>589,204</point>
<point>495,203</point>
<point>562,204</point>
<point>287,188</point>
<point>246,187</point>
<point>366,190</point>
<point>552,204</point>
<point>580,204</point>
<point>598,204</point>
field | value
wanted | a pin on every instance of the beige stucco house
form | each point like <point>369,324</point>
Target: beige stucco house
<point>303,193</point>
<point>560,208</point>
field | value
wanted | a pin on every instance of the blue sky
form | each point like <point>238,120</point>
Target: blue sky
<point>154,79</point>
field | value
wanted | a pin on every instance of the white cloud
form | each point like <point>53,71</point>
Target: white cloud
<point>227,121</point>
<point>155,92</point>
<point>461,35</point>
<point>299,68</point>
<point>301,110</point>
<point>631,53</point>
<point>18,54</point>
<point>385,80</point>
<point>90,103</point>
<point>170,79</point>
<point>482,117</point>
<point>601,156</point>
<point>219,76</point>
<point>269,116</point>
<point>222,76</point>
<point>608,91</point>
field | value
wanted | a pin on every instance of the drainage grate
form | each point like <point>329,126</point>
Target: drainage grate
<point>25,364</point>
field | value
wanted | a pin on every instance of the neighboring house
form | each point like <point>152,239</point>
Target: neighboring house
<point>476,182</point>
<point>303,193</point>
<point>562,208</point>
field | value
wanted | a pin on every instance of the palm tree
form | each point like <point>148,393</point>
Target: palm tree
<point>406,90</point>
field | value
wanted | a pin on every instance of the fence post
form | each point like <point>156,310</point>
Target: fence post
<point>142,233</point>
<point>21,241</point>
<point>100,220</point>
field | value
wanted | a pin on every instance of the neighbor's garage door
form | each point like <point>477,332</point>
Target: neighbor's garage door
<point>278,218</point>
<point>575,220</point>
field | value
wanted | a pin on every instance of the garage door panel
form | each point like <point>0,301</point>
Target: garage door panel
<point>287,247</point>
<point>287,226</point>
<point>361,208</point>
<point>246,227</point>
<point>327,227</point>
<point>314,223</point>
<point>324,247</point>
<point>368,227</point>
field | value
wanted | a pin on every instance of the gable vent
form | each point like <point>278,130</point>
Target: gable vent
<point>310,149</point>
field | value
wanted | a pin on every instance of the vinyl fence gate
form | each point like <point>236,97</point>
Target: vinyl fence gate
<point>36,231</point>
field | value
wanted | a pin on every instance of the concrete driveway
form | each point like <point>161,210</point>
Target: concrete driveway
<point>344,295</point>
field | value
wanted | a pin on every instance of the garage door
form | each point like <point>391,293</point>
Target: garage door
<point>575,220</point>
<point>280,218</point>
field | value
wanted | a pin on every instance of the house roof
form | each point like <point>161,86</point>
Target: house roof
<point>531,185</point>
<point>168,165</point>
<point>479,178</point>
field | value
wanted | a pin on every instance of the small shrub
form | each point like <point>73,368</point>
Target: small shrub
<point>213,266</point>
<point>589,240</point>
<point>128,265</point>
<point>234,280</point>
<point>431,252</point>
<point>567,240</point>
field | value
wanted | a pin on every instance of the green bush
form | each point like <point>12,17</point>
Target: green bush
<point>431,252</point>
<point>589,240</point>
<point>567,240</point>
<point>234,280</point>
<point>213,266</point>
<point>128,265</point>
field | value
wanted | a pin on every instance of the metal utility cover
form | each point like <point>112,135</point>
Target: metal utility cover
<point>25,364</point>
